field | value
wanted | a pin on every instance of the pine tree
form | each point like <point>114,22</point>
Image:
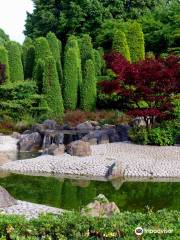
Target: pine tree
<point>71,75</point>
<point>88,88</point>
<point>55,46</point>
<point>135,39</point>
<point>15,63</point>
<point>120,44</point>
<point>52,89</point>
<point>4,60</point>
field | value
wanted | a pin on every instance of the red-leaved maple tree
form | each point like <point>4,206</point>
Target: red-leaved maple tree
<point>147,86</point>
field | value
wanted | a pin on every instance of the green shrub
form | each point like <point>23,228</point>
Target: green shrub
<point>139,135</point>
<point>38,74</point>
<point>120,44</point>
<point>42,49</point>
<point>77,227</point>
<point>71,77</point>
<point>52,89</point>
<point>161,137</point>
<point>15,63</point>
<point>88,90</point>
<point>4,60</point>
<point>56,52</point>
<point>19,99</point>
<point>98,62</point>
<point>135,39</point>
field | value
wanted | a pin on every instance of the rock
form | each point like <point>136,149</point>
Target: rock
<point>4,158</point>
<point>40,128</point>
<point>30,142</point>
<point>50,124</point>
<point>122,131</point>
<point>101,207</point>
<point>93,141</point>
<point>103,139</point>
<point>113,135</point>
<point>16,135</point>
<point>94,123</point>
<point>85,126</point>
<point>59,150</point>
<point>138,121</point>
<point>79,148</point>
<point>5,199</point>
<point>115,170</point>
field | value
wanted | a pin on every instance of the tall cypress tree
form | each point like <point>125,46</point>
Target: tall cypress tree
<point>88,88</point>
<point>86,49</point>
<point>135,39</point>
<point>71,77</point>
<point>28,57</point>
<point>98,62</point>
<point>15,63</point>
<point>55,46</point>
<point>120,44</point>
<point>52,89</point>
<point>4,60</point>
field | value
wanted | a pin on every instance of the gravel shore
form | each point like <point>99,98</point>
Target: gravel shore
<point>120,159</point>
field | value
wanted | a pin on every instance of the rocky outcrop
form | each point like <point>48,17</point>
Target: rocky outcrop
<point>55,150</point>
<point>5,199</point>
<point>101,207</point>
<point>30,142</point>
<point>4,158</point>
<point>79,148</point>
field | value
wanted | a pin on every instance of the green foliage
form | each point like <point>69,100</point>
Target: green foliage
<point>15,63</point>
<point>42,49</point>
<point>3,37</point>
<point>88,92</point>
<point>52,89</point>
<point>75,226</point>
<point>86,49</point>
<point>4,60</point>
<point>38,74</point>
<point>54,45</point>
<point>19,99</point>
<point>71,78</point>
<point>135,39</point>
<point>28,57</point>
<point>98,61</point>
<point>120,44</point>
<point>139,135</point>
<point>161,137</point>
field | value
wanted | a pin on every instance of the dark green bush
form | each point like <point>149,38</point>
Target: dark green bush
<point>73,226</point>
<point>4,60</point>
<point>139,135</point>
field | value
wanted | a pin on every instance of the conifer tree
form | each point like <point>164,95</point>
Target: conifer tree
<point>98,62</point>
<point>15,63</point>
<point>55,46</point>
<point>86,49</point>
<point>38,74</point>
<point>135,39</point>
<point>71,77</point>
<point>120,44</point>
<point>52,89</point>
<point>88,88</point>
<point>4,60</point>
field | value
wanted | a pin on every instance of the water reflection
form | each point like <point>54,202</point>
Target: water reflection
<point>75,194</point>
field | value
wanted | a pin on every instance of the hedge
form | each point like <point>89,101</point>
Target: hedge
<point>4,60</point>
<point>77,227</point>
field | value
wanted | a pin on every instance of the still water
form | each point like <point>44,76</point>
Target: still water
<point>74,194</point>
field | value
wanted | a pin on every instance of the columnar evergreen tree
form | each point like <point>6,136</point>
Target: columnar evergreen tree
<point>135,39</point>
<point>52,89</point>
<point>71,75</point>
<point>86,49</point>
<point>120,44</point>
<point>88,88</point>
<point>4,60</point>
<point>15,63</point>
<point>98,62</point>
<point>28,57</point>
<point>72,42</point>
<point>42,51</point>
<point>55,45</point>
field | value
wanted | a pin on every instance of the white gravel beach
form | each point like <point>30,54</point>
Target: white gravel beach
<point>130,160</point>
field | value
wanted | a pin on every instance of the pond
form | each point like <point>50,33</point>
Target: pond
<point>74,194</point>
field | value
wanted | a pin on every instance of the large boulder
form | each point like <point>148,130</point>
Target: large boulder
<point>85,126</point>
<point>50,124</point>
<point>122,131</point>
<point>5,199</point>
<point>101,207</point>
<point>30,142</point>
<point>4,158</point>
<point>79,148</point>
